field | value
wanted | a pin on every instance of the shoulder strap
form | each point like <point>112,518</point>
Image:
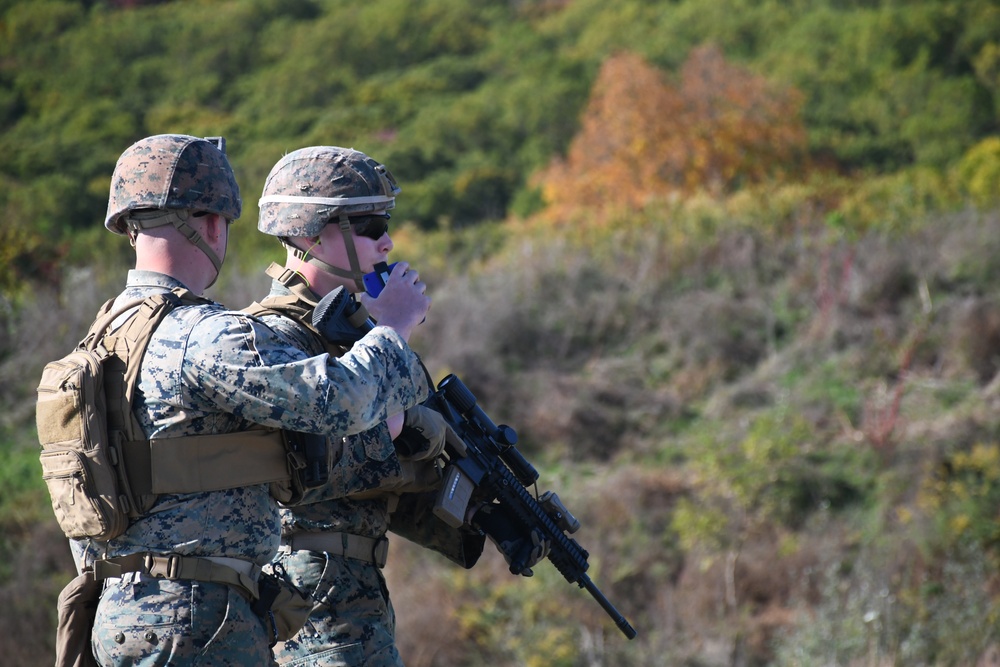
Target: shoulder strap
<point>128,343</point>
<point>289,306</point>
<point>294,281</point>
<point>297,306</point>
<point>105,316</point>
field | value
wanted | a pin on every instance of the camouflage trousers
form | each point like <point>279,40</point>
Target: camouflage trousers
<point>352,623</point>
<point>154,623</point>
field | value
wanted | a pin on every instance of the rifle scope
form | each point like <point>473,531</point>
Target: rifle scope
<point>503,436</point>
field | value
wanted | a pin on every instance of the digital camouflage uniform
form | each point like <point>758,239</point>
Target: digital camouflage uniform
<point>210,371</point>
<point>352,622</point>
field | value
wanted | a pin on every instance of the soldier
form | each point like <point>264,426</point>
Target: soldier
<point>180,581</point>
<point>329,206</point>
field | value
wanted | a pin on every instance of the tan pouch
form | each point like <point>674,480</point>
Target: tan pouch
<point>78,461</point>
<point>283,607</point>
<point>290,610</point>
<point>77,609</point>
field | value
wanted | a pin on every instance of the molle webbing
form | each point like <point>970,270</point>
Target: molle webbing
<point>197,463</point>
<point>297,306</point>
<point>303,301</point>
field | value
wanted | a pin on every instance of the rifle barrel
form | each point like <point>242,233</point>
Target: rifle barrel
<point>615,615</point>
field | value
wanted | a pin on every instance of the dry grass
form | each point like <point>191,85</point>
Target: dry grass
<point>623,364</point>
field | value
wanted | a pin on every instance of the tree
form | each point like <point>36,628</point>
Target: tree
<point>643,138</point>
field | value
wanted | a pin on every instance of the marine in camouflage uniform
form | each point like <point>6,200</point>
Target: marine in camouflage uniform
<point>334,546</point>
<point>208,370</point>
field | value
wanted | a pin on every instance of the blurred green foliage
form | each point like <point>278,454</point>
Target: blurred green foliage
<point>464,101</point>
<point>962,495</point>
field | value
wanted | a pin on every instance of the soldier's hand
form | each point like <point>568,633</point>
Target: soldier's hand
<point>425,434</point>
<point>540,548</point>
<point>402,304</point>
<point>521,552</point>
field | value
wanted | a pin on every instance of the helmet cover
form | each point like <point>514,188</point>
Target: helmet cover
<point>172,171</point>
<point>311,187</point>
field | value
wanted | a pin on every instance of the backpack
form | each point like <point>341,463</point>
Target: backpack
<point>80,425</point>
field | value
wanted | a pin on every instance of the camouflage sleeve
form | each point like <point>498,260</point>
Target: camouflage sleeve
<point>295,333</point>
<point>414,519</point>
<point>247,368</point>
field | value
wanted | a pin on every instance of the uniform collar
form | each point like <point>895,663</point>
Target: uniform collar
<point>142,278</point>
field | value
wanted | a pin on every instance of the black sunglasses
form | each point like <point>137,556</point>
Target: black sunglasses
<point>370,226</point>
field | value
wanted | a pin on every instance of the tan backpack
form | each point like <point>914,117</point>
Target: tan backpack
<point>81,456</point>
<point>100,469</point>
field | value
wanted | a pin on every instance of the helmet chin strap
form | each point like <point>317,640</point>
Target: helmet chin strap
<point>355,273</point>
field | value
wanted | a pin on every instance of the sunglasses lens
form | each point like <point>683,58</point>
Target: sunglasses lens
<point>370,226</point>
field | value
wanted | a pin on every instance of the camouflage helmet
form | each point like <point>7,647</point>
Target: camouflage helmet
<point>173,172</point>
<point>311,187</point>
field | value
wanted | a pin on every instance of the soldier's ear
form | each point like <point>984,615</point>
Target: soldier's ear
<point>213,223</point>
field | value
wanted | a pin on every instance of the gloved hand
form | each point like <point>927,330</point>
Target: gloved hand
<point>425,434</point>
<point>520,551</point>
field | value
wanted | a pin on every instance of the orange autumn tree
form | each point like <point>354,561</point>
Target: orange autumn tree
<point>643,138</point>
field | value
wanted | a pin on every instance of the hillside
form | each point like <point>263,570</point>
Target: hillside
<point>778,456</point>
<point>467,101</point>
<point>728,268</point>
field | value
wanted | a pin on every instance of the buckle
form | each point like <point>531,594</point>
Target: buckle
<point>106,569</point>
<point>163,567</point>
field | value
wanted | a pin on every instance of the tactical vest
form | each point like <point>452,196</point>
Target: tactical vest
<point>409,476</point>
<point>403,491</point>
<point>297,306</point>
<point>100,469</point>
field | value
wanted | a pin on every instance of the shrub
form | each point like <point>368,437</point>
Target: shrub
<point>979,172</point>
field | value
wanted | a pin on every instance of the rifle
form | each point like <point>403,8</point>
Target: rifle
<point>494,469</point>
<point>490,467</point>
